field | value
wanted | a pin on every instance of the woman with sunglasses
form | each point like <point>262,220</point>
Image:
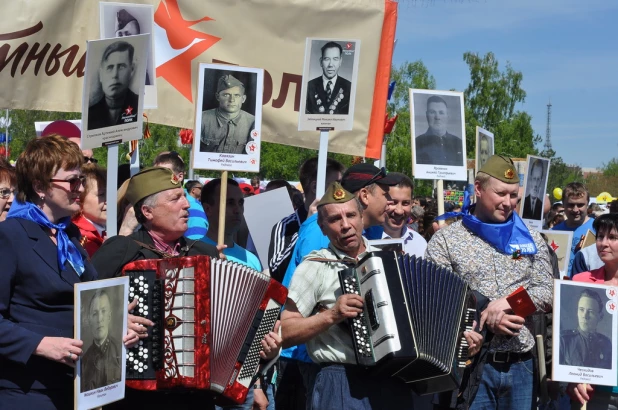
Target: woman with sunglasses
<point>42,260</point>
<point>8,183</point>
<point>92,218</point>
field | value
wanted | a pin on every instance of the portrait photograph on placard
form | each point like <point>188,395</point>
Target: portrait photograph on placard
<point>560,243</point>
<point>228,118</point>
<point>520,167</point>
<point>585,325</point>
<point>126,19</point>
<point>114,81</point>
<point>328,91</point>
<point>438,134</point>
<point>101,323</point>
<point>484,147</point>
<point>534,191</point>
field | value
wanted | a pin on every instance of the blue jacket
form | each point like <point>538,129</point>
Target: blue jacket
<point>36,300</point>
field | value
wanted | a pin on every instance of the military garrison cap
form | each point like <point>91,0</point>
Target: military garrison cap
<point>123,18</point>
<point>228,81</point>
<point>501,168</point>
<point>151,181</point>
<point>335,194</point>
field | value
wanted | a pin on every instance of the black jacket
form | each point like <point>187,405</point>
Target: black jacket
<point>120,250</point>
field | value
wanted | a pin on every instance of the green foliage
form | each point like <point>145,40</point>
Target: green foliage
<point>398,145</point>
<point>490,101</point>
<point>611,168</point>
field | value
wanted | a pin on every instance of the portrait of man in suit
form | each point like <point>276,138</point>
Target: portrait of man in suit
<point>533,204</point>
<point>437,146</point>
<point>119,104</point>
<point>101,364</point>
<point>329,93</point>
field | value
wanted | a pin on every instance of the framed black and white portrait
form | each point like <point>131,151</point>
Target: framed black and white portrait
<point>101,323</point>
<point>584,329</point>
<point>114,81</point>
<point>120,20</point>
<point>535,186</point>
<point>484,147</point>
<point>438,135</point>
<point>228,123</point>
<point>328,91</point>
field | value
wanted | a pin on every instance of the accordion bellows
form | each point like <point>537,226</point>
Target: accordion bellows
<point>210,316</point>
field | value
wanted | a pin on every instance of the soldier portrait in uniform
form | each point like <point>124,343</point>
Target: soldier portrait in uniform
<point>535,188</point>
<point>330,92</point>
<point>589,342</point>
<point>484,147</point>
<point>438,130</point>
<point>226,128</point>
<point>101,364</point>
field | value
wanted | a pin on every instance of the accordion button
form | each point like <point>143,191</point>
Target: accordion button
<point>145,367</point>
<point>145,356</point>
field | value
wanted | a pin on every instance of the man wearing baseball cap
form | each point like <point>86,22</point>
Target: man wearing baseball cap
<point>496,254</point>
<point>227,129</point>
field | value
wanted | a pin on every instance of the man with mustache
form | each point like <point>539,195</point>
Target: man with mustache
<point>329,93</point>
<point>227,129</point>
<point>101,365</point>
<point>437,146</point>
<point>234,210</point>
<point>119,104</point>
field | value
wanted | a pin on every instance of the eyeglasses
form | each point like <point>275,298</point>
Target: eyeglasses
<point>6,192</point>
<point>90,159</point>
<point>75,183</point>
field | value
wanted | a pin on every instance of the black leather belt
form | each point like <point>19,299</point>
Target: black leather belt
<point>508,357</point>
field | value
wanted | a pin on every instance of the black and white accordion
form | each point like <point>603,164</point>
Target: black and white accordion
<point>413,320</point>
<point>210,316</point>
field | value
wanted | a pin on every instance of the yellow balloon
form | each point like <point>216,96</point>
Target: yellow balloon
<point>558,193</point>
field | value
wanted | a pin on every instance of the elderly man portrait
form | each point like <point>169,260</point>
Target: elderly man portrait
<point>485,150</point>
<point>437,146</point>
<point>533,204</point>
<point>119,104</point>
<point>585,346</point>
<point>227,128</point>
<point>101,364</point>
<point>329,93</point>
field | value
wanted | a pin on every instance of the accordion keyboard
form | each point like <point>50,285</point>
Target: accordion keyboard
<point>462,349</point>
<point>147,356</point>
<point>361,335</point>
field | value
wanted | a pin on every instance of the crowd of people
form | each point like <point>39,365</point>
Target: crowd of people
<point>53,214</point>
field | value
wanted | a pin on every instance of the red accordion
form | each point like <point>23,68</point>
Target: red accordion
<point>210,316</point>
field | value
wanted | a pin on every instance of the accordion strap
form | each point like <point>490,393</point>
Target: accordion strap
<point>163,254</point>
<point>350,262</point>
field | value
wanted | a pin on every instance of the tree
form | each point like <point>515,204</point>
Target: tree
<point>398,145</point>
<point>490,101</point>
<point>611,168</point>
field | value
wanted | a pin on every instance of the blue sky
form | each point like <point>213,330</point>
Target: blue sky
<point>567,50</point>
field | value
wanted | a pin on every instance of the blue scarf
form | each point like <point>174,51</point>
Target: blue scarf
<point>508,237</point>
<point>66,249</point>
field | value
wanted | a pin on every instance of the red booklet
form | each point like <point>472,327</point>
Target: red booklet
<point>521,303</point>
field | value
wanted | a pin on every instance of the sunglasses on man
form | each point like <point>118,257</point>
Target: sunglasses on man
<point>75,183</point>
<point>90,159</point>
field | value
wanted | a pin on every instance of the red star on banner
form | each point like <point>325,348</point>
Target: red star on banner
<point>348,46</point>
<point>128,111</point>
<point>612,307</point>
<point>612,292</point>
<point>177,71</point>
<point>554,245</point>
<point>252,162</point>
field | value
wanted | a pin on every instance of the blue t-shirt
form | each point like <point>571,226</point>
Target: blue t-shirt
<point>577,234</point>
<point>238,254</point>
<point>198,223</point>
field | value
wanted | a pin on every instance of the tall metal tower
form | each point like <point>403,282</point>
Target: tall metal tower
<point>547,146</point>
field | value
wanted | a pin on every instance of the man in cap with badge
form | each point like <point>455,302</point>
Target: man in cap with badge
<point>495,253</point>
<point>227,129</point>
<point>119,104</point>
<point>315,287</point>
<point>329,93</point>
